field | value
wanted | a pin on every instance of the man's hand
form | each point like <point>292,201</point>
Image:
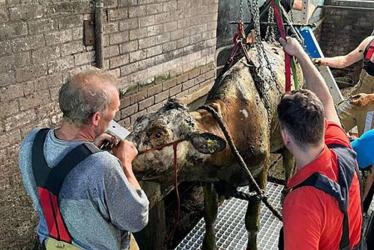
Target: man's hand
<point>320,62</point>
<point>362,99</point>
<point>105,138</point>
<point>313,78</point>
<point>292,46</point>
<point>126,152</point>
<point>317,61</point>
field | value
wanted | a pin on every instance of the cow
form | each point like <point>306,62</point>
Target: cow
<point>194,143</point>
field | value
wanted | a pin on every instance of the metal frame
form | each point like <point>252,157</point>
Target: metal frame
<point>230,228</point>
<point>305,12</point>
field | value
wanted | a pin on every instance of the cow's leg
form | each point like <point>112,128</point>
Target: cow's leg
<point>288,163</point>
<point>210,215</point>
<point>289,168</point>
<point>253,211</point>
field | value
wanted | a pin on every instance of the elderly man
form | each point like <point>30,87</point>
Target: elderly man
<point>99,202</point>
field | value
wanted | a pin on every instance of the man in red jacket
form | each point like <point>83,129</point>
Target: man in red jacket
<point>313,217</point>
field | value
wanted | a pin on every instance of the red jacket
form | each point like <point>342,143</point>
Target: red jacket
<point>311,217</point>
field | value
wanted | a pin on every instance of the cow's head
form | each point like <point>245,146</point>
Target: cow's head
<point>154,135</point>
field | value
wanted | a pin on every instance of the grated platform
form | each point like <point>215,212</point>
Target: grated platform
<point>230,228</point>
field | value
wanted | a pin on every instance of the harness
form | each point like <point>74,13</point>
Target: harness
<point>339,190</point>
<point>368,53</point>
<point>49,181</point>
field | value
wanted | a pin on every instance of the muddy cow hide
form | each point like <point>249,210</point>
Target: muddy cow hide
<point>200,146</point>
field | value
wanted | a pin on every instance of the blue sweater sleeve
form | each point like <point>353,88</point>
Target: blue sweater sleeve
<point>127,208</point>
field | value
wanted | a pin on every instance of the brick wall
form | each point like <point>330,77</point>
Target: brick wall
<point>158,49</point>
<point>344,29</point>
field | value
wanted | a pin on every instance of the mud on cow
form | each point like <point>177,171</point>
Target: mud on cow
<point>198,145</point>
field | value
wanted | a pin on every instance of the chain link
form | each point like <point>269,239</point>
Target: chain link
<point>241,10</point>
<point>263,83</point>
<point>254,9</point>
<point>270,36</point>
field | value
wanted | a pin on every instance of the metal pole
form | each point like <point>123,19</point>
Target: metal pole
<point>99,48</point>
<point>305,11</point>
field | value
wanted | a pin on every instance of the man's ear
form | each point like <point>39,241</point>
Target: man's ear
<point>96,118</point>
<point>284,136</point>
<point>207,143</point>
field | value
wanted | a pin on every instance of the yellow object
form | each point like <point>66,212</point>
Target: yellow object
<point>133,243</point>
<point>53,244</point>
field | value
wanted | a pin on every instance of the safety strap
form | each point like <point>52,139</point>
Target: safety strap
<point>49,181</point>
<point>369,51</point>
<point>340,190</point>
<point>294,73</point>
<point>282,32</point>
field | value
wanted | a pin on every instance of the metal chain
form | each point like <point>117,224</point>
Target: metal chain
<point>254,8</point>
<point>258,74</point>
<point>241,10</point>
<point>270,36</point>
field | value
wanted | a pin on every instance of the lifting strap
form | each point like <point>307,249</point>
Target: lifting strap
<point>339,190</point>
<point>369,50</point>
<point>282,32</point>
<point>49,181</point>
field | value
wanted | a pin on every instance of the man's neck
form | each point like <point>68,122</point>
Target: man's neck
<point>69,131</point>
<point>303,158</point>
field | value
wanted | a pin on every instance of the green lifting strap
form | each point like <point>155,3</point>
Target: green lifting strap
<point>294,73</point>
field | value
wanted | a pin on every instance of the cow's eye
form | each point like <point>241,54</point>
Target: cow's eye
<point>158,134</point>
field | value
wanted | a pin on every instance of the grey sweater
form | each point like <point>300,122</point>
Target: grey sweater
<point>97,203</point>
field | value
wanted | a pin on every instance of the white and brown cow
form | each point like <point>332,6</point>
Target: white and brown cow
<point>253,127</point>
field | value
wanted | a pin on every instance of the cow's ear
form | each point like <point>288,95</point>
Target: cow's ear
<point>207,143</point>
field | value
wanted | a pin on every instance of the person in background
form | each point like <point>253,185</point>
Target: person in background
<point>365,52</point>
<point>315,217</point>
<point>357,110</point>
<point>364,148</point>
<point>350,112</point>
<point>100,200</point>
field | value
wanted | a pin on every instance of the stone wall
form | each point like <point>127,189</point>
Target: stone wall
<point>158,48</point>
<point>344,29</point>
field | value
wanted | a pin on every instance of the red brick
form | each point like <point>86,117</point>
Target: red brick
<point>153,90</point>
<point>188,84</point>
<point>161,96</point>
<point>175,90</point>
<point>139,96</point>
<point>168,84</point>
<point>146,103</point>
<point>129,110</point>
<point>193,73</point>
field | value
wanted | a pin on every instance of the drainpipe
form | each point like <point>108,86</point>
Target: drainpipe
<point>99,48</point>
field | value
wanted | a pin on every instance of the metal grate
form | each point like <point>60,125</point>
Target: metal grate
<point>230,227</point>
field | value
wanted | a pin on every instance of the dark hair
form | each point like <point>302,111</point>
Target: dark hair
<point>301,113</point>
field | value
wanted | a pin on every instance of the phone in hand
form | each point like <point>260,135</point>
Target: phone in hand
<point>117,130</point>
